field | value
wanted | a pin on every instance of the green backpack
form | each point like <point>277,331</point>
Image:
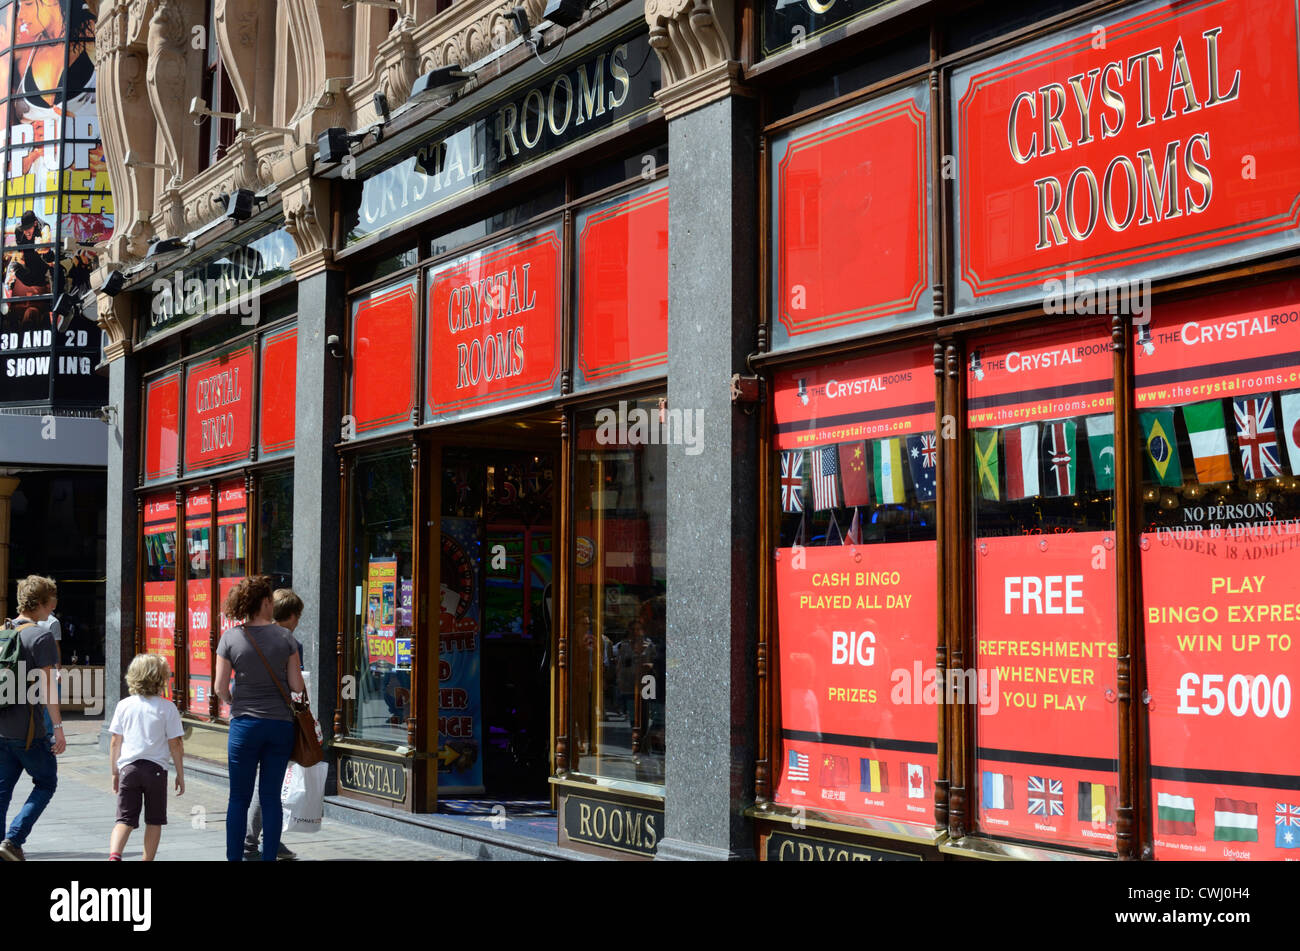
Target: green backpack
<point>11,651</point>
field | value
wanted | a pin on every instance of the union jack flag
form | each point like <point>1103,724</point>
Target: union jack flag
<point>929,451</point>
<point>792,481</point>
<point>1257,437</point>
<point>1287,819</point>
<point>1046,797</point>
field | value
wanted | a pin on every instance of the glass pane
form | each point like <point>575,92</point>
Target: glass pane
<point>160,579</point>
<point>1040,415</point>
<point>232,554</point>
<point>198,597</point>
<point>617,638</point>
<point>380,545</point>
<point>275,528</point>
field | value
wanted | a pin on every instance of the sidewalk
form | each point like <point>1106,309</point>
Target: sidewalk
<point>76,825</point>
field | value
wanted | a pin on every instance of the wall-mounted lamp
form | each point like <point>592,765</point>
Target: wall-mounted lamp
<point>444,81</point>
<point>108,414</point>
<point>113,283</point>
<point>168,246</point>
<point>334,346</point>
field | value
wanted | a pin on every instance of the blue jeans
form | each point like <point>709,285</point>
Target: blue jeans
<point>256,743</point>
<point>40,764</point>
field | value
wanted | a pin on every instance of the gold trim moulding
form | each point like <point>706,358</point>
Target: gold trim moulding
<point>979,848</point>
<point>592,784</point>
<point>914,833</point>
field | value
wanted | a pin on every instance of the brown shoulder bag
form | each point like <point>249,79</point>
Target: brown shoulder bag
<point>306,748</point>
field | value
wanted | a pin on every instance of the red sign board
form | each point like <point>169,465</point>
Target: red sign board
<point>160,622</point>
<point>162,400</point>
<point>198,611</point>
<point>1246,341</point>
<point>384,348</point>
<point>1048,734</point>
<point>160,514</point>
<point>852,218</point>
<point>219,410</point>
<point>494,326</point>
<point>858,711</point>
<point>867,397</point>
<point>278,391</point>
<point>623,287</point>
<point>1223,663</point>
<point>1141,142</point>
<point>1012,378</point>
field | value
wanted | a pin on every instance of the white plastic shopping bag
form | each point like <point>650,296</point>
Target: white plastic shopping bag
<point>303,797</point>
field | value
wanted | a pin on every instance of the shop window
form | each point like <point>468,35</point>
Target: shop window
<point>529,208</point>
<point>641,164</point>
<point>616,635</point>
<point>1040,415</point>
<point>380,572</point>
<point>895,58</point>
<point>232,553</point>
<point>275,527</point>
<point>855,565</point>
<point>990,22</point>
<point>383,352</point>
<point>1217,429</point>
<point>198,597</point>
<point>160,580</point>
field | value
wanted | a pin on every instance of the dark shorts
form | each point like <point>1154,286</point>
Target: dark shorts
<point>142,781</point>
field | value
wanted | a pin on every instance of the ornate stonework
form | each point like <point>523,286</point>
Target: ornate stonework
<point>696,44</point>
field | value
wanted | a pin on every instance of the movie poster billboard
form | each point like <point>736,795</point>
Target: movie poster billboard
<point>381,611</point>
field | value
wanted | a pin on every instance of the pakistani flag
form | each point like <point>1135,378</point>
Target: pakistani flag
<point>1101,446</point>
<point>887,468</point>
<point>1209,441</point>
<point>986,463</point>
<point>1235,821</point>
<point>1162,446</point>
<point>1175,815</point>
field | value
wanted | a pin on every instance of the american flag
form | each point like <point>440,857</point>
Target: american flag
<point>826,471</point>
<point>1046,797</point>
<point>792,481</point>
<point>797,768</point>
<point>1257,437</point>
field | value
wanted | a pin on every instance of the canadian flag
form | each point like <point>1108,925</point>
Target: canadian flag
<point>918,781</point>
<point>1291,427</point>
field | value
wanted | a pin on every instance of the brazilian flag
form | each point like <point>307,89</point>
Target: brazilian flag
<point>1162,446</point>
<point>986,463</point>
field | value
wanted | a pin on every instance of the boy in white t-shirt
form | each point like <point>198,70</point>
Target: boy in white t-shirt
<point>147,733</point>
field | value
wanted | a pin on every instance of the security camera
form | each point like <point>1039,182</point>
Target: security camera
<point>108,415</point>
<point>198,107</point>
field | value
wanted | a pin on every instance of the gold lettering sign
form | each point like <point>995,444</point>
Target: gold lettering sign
<point>784,847</point>
<point>613,824</point>
<point>373,778</point>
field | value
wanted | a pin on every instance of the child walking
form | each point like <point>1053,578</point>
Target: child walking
<point>146,728</point>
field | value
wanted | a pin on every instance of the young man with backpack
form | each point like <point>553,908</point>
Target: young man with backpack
<point>29,658</point>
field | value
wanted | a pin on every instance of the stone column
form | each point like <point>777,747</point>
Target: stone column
<point>712,512</point>
<point>8,485</point>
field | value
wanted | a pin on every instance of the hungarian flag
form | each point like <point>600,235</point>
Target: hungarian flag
<point>1097,804</point>
<point>1287,821</point>
<point>1101,446</point>
<point>986,463</point>
<point>854,475</point>
<point>792,481</point>
<point>1022,461</point>
<point>835,771</point>
<point>995,791</point>
<point>874,776</point>
<point>1058,449</point>
<point>1162,446</point>
<point>1291,427</point>
<point>1235,820</point>
<point>918,780</point>
<point>923,457</point>
<point>825,478</point>
<point>1209,441</point>
<point>887,467</point>
<point>1257,437</point>
<point>1175,815</point>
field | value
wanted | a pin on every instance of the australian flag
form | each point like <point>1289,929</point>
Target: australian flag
<point>1257,437</point>
<point>1287,820</point>
<point>923,460</point>
<point>792,481</point>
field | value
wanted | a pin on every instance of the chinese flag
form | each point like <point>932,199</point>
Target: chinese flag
<point>855,473</point>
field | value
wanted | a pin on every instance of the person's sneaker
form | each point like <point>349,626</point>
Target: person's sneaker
<point>286,855</point>
<point>252,855</point>
<point>11,853</point>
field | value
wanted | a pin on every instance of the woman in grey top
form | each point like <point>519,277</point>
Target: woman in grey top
<point>261,724</point>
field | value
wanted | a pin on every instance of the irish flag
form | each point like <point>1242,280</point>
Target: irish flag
<point>1175,815</point>
<point>1236,820</point>
<point>1209,441</point>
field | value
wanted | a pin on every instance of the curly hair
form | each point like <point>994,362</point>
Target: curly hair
<point>148,675</point>
<point>245,599</point>
<point>34,591</point>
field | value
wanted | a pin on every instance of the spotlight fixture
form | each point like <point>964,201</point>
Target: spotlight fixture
<point>335,144</point>
<point>238,204</point>
<point>386,4</point>
<point>167,246</point>
<point>133,160</point>
<point>564,12</point>
<point>381,106</point>
<point>113,283</point>
<point>519,16</point>
<point>440,82</point>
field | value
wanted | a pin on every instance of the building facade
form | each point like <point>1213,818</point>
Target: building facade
<point>725,430</point>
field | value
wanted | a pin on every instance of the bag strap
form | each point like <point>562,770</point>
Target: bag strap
<point>249,637</point>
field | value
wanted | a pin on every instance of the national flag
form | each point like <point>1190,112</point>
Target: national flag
<point>855,473</point>
<point>1175,815</point>
<point>1046,796</point>
<point>1101,446</point>
<point>1162,447</point>
<point>1097,804</point>
<point>1058,450</point>
<point>1022,461</point>
<point>874,776</point>
<point>918,781</point>
<point>1256,437</point>
<point>995,791</point>
<point>835,771</point>
<point>1290,403</point>
<point>825,473</point>
<point>796,769</point>
<point>923,457</point>
<point>1287,820</point>
<point>854,537</point>
<point>887,468</point>
<point>986,463</point>
<point>1209,441</point>
<point>792,480</point>
<point>1235,820</point>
